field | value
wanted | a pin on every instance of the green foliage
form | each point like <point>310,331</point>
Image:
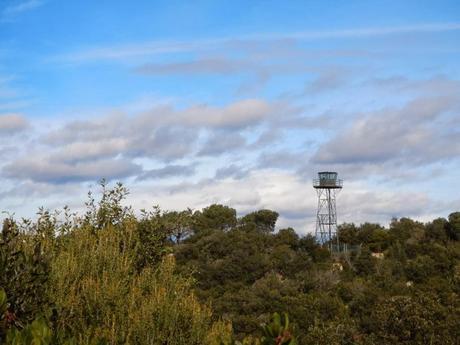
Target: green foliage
<point>247,275</point>
<point>412,320</point>
<point>100,288</point>
<point>214,217</point>
<point>36,333</point>
<point>100,294</point>
<point>364,263</point>
<point>179,225</point>
<point>4,315</point>
<point>207,277</point>
<point>278,331</point>
<point>453,226</point>
<point>24,268</point>
<point>262,220</point>
<point>109,210</point>
<point>154,238</point>
<point>420,269</point>
<point>437,230</point>
<point>348,233</point>
<point>373,236</point>
<point>406,230</point>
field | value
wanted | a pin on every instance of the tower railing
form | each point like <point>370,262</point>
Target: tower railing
<point>326,183</point>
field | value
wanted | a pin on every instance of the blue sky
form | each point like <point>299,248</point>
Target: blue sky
<point>191,103</point>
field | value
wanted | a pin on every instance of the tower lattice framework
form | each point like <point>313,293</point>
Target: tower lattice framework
<point>327,187</point>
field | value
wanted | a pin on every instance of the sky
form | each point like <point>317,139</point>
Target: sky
<point>190,103</point>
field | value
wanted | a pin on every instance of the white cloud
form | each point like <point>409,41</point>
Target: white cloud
<point>12,123</point>
<point>293,197</point>
<point>90,149</point>
<point>221,142</point>
<point>257,152</point>
<point>81,151</point>
<point>417,133</point>
<point>173,170</point>
<point>41,169</point>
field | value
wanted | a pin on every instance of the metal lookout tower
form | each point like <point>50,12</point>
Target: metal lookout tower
<point>327,186</point>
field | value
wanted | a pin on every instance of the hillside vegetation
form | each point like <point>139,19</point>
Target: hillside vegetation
<point>209,277</point>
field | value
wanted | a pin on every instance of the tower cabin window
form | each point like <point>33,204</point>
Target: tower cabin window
<point>327,178</point>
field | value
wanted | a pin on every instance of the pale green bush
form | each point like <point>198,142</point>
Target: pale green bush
<point>99,293</point>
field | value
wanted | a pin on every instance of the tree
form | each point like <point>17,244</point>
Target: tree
<point>416,320</point>
<point>437,230</point>
<point>454,226</point>
<point>179,224</point>
<point>216,216</point>
<point>262,220</point>
<point>309,245</point>
<point>405,228</point>
<point>154,238</point>
<point>287,236</point>
<point>348,233</point>
<point>109,209</point>
<point>364,262</point>
<point>100,294</point>
<point>420,269</point>
<point>24,272</point>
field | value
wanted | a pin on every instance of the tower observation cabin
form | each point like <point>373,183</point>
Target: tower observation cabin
<point>327,186</point>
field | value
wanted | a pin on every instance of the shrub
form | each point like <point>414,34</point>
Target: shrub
<point>99,293</point>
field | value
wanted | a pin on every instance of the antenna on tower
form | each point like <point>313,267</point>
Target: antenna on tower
<point>327,187</point>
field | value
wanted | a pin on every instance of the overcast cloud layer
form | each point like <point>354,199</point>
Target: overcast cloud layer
<point>245,119</point>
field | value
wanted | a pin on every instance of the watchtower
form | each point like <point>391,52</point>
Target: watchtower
<point>327,187</point>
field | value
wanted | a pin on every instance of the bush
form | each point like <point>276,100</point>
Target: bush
<point>99,293</point>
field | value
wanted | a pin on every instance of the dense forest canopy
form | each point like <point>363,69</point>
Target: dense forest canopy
<point>210,277</point>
